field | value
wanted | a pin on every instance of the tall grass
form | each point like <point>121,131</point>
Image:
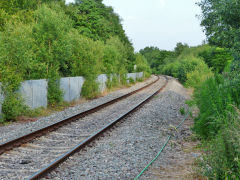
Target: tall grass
<point>222,159</point>
<point>218,124</point>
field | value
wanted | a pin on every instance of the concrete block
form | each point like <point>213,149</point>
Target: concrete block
<point>1,99</point>
<point>26,91</point>
<point>139,75</point>
<point>80,84</point>
<point>76,84</point>
<point>65,87</point>
<point>40,90</point>
<point>71,87</point>
<point>34,93</point>
<point>131,75</point>
<point>102,79</point>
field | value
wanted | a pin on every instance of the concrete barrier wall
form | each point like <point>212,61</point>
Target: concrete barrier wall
<point>1,99</point>
<point>132,75</point>
<point>139,75</point>
<point>34,92</point>
<point>71,87</point>
<point>102,80</point>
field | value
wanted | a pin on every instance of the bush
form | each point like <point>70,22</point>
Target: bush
<point>90,88</point>
<point>55,94</point>
<point>216,58</point>
<point>215,99</point>
<point>180,68</point>
<point>201,73</point>
<point>112,81</point>
<point>142,65</point>
<point>13,106</point>
<point>131,80</point>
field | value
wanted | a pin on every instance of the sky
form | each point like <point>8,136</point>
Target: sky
<point>160,23</point>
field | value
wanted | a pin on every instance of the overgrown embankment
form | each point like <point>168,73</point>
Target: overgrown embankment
<point>208,69</point>
<point>48,39</point>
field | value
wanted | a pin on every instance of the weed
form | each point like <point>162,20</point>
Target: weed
<point>131,80</point>
<point>182,111</point>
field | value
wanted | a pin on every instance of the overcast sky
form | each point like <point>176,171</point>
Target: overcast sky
<point>160,23</point>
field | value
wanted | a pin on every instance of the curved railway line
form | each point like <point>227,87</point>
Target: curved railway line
<point>35,154</point>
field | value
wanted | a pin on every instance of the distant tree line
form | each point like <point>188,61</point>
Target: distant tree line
<point>215,57</point>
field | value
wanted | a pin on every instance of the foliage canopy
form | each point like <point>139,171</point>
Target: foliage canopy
<point>49,39</point>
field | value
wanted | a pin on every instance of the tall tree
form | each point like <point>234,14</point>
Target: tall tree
<point>221,20</point>
<point>180,47</point>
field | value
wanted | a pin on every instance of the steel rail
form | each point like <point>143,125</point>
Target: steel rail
<point>43,172</point>
<point>6,146</point>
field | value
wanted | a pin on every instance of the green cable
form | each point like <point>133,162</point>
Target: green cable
<point>169,137</point>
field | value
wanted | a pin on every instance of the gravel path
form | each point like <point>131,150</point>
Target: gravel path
<point>128,148</point>
<point>21,162</point>
<point>177,160</point>
<point>15,130</point>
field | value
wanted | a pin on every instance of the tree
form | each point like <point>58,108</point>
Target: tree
<point>221,20</point>
<point>13,6</point>
<point>180,47</point>
<point>216,58</point>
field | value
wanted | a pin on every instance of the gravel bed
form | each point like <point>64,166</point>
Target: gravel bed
<point>21,162</point>
<point>15,130</point>
<point>125,150</point>
<point>177,160</point>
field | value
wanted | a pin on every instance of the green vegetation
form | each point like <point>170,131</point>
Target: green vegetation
<point>220,20</point>
<point>219,98</point>
<point>218,59</point>
<point>47,39</point>
<point>182,111</point>
<point>218,126</point>
<point>213,71</point>
<point>206,68</point>
<point>156,57</point>
<point>187,66</point>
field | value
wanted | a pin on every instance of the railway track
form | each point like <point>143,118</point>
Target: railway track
<point>39,152</point>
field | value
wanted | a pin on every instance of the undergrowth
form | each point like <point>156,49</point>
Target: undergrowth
<point>218,125</point>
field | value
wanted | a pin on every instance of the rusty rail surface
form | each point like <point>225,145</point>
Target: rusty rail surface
<point>43,172</point>
<point>6,146</point>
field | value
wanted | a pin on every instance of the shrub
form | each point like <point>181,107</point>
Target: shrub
<point>180,68</point>
<point>112,81</point>
<point>201,73</point>
<point>215,99</point>
<point>216,58</point>
<point>13,106</point>
<point>169,69</point>
<point>90,88</point>
<point>131,80</point>
<point>142,65</point>
<point>55,94</point>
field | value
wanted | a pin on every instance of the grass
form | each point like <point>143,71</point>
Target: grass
<point>182,111</point>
